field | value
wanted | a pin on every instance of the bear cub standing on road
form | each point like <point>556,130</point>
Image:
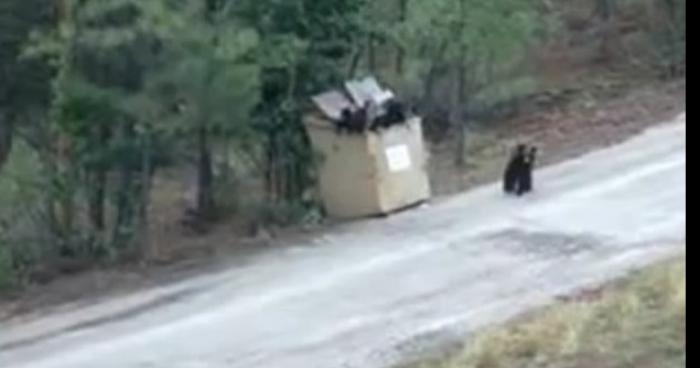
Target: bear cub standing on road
<point>518,175</point>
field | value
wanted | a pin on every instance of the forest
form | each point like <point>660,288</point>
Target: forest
<point>104,104</point>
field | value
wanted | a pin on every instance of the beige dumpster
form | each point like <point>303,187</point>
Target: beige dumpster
<point>373,173</point>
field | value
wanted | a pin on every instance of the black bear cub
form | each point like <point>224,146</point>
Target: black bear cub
<point>518,175</point>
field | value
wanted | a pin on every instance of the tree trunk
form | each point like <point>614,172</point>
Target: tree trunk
<point>429,87</point>
<point>270,170</point>
<point>99,186</point>
<point>400,52</point>
<point>6,133</point>
<point>458,118</point>
<point>50,196</point>
<point>124,207</point>
<point>371,53</point>
<point>460,159</point>
<point>124,223</point>
<point>64,205</point>
<point>432,76</point>
<point>355,62</point>
<point>97,201</point>
<point>65,190</point>
<point>606,10</point>
<point>205,177</point>
<point>147,172</point>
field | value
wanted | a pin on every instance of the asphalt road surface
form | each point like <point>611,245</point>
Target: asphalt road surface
<point>368,294</point>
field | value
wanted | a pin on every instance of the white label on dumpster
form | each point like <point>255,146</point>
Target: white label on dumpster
<point>399,158</point>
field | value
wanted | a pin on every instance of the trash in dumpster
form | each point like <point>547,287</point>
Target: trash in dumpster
<point>367,106</point>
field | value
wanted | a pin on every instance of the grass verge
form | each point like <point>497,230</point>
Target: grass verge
<point>637,322</point>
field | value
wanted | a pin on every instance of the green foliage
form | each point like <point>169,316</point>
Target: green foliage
<point>24,85</point>
<point>133,78</point>
<point>20,212</point>
<point>306,46</point>
<point>210,76</point>
<point>482,42</point>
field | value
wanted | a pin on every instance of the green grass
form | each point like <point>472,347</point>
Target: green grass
<point>639,322</point>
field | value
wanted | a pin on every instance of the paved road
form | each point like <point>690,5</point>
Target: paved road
<point>366,294</point>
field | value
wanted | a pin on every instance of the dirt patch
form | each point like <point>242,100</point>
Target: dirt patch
<point>583,296</point>
<point>543,244</point>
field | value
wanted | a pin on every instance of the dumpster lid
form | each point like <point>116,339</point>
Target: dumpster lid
<point>332,104</point>
<point>368,89</point>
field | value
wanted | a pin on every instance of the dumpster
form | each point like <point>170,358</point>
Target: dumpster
<point>373,172</point>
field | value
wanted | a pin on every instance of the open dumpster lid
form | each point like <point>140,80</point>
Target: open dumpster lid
<point>332,104</point>
<point>368,89</point>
